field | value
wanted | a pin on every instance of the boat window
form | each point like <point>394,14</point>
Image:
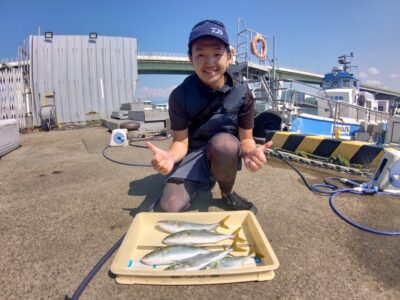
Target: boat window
<point>355,83</point>
<point>334,83</point>
<point>338,98</point>
<point>346,83</point>
<point>369,96</point>
<point>325,83</point>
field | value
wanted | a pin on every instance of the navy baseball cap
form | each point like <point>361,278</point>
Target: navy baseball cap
<point>210,28</point>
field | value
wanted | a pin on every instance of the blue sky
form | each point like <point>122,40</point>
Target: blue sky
<point>309,34</point>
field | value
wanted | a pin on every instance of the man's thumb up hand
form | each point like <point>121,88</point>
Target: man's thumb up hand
<point>162,160</point>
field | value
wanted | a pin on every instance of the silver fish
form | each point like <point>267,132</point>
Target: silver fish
<point>199,237</point>
<point>176,226</point>
<point>171,254</point>
<point>199,262</point>
<point>236,262</point>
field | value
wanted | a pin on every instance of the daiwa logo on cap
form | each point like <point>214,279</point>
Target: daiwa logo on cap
<point>216,31</point>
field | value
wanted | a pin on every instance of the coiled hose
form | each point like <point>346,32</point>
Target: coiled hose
<point>333,190</point>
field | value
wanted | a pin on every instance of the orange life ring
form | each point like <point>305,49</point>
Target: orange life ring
<point>233,54</point>
<point>258,38</point>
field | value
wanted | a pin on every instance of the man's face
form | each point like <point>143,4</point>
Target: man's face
<point>210,60</point>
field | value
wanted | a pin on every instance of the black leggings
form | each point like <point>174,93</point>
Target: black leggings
<point>223,152</point>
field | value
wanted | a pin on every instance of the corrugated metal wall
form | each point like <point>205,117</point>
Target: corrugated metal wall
<point>87,77</point>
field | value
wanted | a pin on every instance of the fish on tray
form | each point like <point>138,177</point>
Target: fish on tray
<point>201,261</point>
<point>200,237</point>
<point>237,262</point>
<point>172,254</point>
<point>176,226</point>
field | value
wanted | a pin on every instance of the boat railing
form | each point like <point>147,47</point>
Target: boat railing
<point>245,36</point>
<point>324,106</point>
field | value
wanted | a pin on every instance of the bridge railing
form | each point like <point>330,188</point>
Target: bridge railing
<point>163,54</point>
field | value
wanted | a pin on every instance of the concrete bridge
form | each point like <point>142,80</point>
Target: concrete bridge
<point>162,63</point>
<point>179,64</point>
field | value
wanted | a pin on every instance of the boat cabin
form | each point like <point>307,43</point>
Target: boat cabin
<point>339,78</point>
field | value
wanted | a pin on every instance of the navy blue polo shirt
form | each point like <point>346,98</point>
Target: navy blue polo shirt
<point>192,96</point>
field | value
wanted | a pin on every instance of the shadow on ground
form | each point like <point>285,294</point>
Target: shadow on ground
<point>151,187</point>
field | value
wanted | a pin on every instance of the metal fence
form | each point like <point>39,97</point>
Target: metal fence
<point>12,104</point>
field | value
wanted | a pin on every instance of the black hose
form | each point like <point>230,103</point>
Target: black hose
<point>110,252</point>
<point>94,270</point>
<point>132,143</point>
<point>121,162</point>
<point>297,171</point>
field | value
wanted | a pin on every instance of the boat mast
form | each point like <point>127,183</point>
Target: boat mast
<point>345,60</point>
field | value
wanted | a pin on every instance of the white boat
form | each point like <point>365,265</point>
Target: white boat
<point>342,109</point>
<point>339,108</point>
<point>288,101</point>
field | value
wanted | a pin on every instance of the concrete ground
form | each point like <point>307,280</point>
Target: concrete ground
<point>62,206</point>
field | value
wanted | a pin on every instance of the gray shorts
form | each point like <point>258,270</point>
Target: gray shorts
<point>196,167</point>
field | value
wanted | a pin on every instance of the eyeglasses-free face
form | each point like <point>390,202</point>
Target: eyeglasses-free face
<point>210,60</point>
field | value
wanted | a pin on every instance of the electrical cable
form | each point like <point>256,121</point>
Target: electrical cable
<point>132,142</point>
<point>94,270</point>
<point>332,190</point>
<point>121,162</point>
<point>110,252</point>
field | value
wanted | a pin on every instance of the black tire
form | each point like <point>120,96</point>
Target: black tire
<point>361,100</point>
<point>266,121</point>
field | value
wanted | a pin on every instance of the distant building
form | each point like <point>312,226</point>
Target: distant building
<point>161,106</point>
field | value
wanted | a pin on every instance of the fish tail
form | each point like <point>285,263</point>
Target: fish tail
<point>234,245</point>
<point>236,235</point>
<point>222,223</point>
<point>253,252</point>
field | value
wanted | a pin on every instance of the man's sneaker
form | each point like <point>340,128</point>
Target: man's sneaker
<point>239,203</point>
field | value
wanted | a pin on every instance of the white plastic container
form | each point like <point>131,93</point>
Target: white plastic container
<point>9,136</point>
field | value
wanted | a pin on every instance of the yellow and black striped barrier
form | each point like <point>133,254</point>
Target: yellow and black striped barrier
<point>355,152</point>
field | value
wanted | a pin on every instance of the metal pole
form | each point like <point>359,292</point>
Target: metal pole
<point>334,121</point>
<point>274,69</point>
<point>237,39</point>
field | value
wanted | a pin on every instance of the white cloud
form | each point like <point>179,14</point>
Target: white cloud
<point>393,75</point>
<point>373,71</point>
<point>373,82</point>
<point>150,92</point>
<point>363,75</point>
